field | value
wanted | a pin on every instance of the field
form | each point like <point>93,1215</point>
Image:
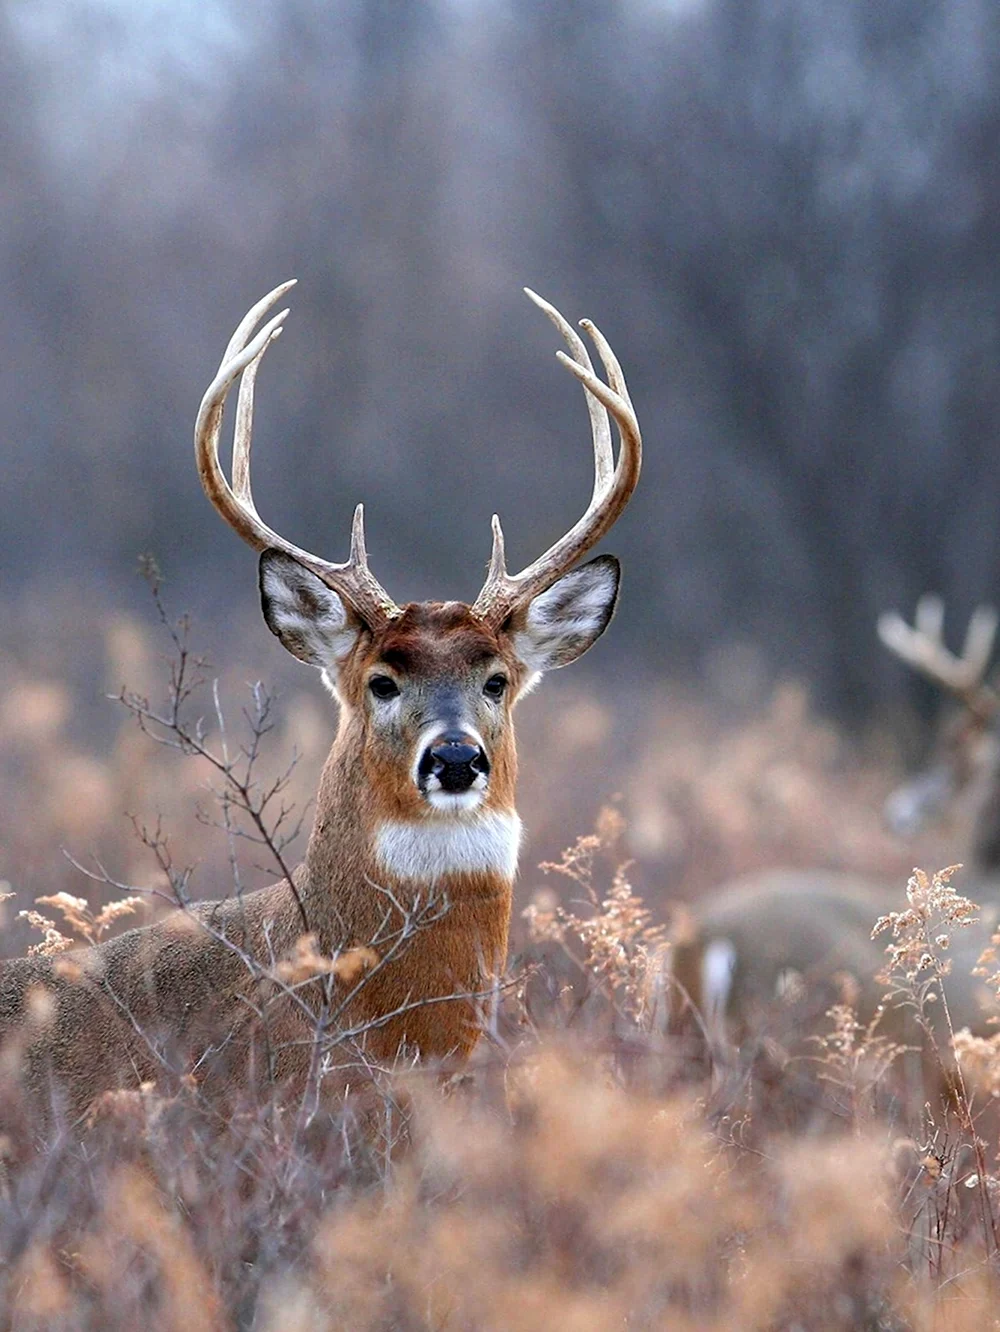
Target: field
<point>596,1166</point>
<point>689,1107</point>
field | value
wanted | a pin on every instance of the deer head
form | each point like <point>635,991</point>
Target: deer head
<point>426,690</point>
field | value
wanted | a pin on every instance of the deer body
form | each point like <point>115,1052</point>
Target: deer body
<point>748,941</point>
<point>146,1002</point>
<point>412,857</point>
<point>768,954</point>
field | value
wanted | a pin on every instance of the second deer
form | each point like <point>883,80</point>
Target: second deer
<point>779,936</point>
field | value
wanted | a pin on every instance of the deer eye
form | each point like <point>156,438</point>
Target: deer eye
<point>495,686</point>
<point>383,686</point>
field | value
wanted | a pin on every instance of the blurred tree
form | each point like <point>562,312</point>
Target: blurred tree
<point>784,214</point>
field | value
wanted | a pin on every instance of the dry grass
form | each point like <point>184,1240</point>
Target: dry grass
<point>571,1183</point>
<point>584,1172</point>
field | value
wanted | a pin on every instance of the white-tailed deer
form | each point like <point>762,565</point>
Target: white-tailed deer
<point>415,804</point>
<point>765,954</point>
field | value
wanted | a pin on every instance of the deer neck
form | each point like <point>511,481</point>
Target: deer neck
<point>362,843</point>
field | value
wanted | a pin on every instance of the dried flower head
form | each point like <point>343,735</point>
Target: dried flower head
<point>979,1059</point>
<point>923,931</point>
<point>53,940</point>
<point>306,963</point>
<point>88,927</point>
<point>855,1055</point>
<point>349,967</point>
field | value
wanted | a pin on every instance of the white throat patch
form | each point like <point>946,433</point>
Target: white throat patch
<point>427,850</point>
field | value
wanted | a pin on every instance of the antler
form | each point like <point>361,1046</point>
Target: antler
<point>613,485</point>
<point>923,647</point>
<point>353,581</point>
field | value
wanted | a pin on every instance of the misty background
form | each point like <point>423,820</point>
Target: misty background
<point>784,216</point>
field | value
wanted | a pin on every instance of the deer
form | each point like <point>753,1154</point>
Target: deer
<point>415,814</point>
<point>773,951</point>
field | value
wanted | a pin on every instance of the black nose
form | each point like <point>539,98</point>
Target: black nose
<point>454,762</point>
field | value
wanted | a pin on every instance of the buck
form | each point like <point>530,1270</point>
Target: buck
<point>416,802</point>
<point>771,952</point>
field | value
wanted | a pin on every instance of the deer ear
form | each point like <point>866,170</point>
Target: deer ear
<point>309,618</point>
<point>562,622</point>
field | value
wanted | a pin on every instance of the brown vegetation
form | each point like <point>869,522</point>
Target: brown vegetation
<point>588,1170</point>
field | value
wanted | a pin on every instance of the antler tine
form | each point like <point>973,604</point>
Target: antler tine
<point>600,425</point>
<point>922,647</point>
<point>352,580</point>
<point>252,318</point>
<point>243,432</point>
<point>929,617</point>
<point>613,483</point>
<point>615,376</point>
<point>979,640</point>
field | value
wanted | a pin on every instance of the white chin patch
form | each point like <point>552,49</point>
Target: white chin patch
<point>432,848</point>
<point>455,802</point>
